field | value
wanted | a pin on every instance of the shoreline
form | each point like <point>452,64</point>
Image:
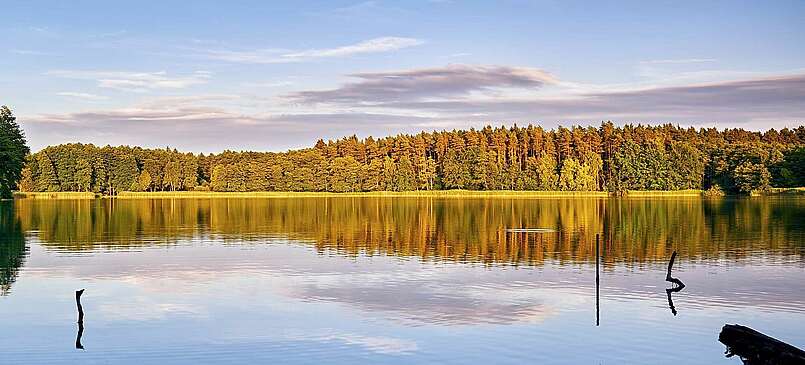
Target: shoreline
<point>693,193</point>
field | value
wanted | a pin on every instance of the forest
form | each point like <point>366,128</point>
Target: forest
<point>608,158</point>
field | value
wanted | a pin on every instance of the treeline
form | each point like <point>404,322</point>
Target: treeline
<point>607,158</point>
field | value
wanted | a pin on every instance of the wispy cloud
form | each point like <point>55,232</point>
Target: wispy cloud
<point>134,81</point>
<point>210,123</point>
<point>679,61</point>
<point>775,99</point>
<point>84,96</point>
<point>460,54</point>
<point>28,52</point>
<point>267,84</point>
<point>375,45</point>
<point>376,344</point>
<point>368,11</point>
<point>385,103</point>
<point>419,84</point>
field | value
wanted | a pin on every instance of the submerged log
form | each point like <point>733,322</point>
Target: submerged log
<point>755,348</point>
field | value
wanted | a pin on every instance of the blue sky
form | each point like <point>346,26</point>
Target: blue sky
<point>207,76</point>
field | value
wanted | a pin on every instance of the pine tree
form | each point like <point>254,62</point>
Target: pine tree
<point>13,150</point>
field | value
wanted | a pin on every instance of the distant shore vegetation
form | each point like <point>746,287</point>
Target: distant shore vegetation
<point>578,159</point>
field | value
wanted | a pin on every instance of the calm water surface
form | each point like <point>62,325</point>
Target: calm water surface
<point>395,280</point>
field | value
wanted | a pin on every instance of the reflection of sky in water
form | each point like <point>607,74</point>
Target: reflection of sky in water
<point>203,302</point>
<point>379,281</point>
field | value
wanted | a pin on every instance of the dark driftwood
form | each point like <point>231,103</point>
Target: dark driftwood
<point>78,344</point>
<point>755,348</point>
<point>668,276</point>
<point>678,287</point>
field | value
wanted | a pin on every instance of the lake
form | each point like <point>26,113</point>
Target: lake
<point>344,280</point>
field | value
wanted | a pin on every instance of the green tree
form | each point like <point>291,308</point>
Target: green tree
<point>547,178</point>
<point>389,174</point>
<point>173,175</point>
<point>13,149</point>
<point>144,181</point>
<point>791,171</point>
<point>750,177</point>
<point>218,180</point>
<point>455,173</point>
<point>344,175</point>
<point>27,180</point>
<point>123,172</point>
<point>83,175</point>
<point>47,180</point>
<point>375,180</point>
<point>406,178</point>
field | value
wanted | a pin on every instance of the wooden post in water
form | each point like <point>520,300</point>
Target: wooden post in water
<point>78,344</point>
<point>78,304</point>
<point>597,284</point>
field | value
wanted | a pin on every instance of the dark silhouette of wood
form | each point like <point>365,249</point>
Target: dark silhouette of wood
<point>78,344</point>
<point>755,348</point>
<point>668,276</point>
<point>678,284</point>
<point>78,304</point>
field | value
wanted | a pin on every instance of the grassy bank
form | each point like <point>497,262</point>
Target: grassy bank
<point>787,191</point>
<point>55,195</point>
<point>436,193</point>
<point>661,193</point>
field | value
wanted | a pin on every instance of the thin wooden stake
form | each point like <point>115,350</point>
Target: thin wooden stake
<point>597,282</point>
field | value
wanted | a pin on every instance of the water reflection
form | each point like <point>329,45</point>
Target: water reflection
<point>597,281</point>
<point>343,280</point>
<point>472,230</point>
<point>13,249</point>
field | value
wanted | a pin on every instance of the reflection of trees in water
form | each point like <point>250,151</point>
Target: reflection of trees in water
<point>12,246</point>
<point>633,230</point>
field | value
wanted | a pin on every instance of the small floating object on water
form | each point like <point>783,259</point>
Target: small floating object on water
<point>530,230</point>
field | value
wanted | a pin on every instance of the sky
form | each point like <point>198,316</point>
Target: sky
<point>208,76</point>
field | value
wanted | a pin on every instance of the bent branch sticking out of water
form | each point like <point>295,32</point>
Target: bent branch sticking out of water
<point>755,348</point>
<point>679,285</point>
<point>668,276</point>
<point>78,344</point>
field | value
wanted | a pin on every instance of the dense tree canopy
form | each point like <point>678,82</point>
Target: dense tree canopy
<point>12,152</point>
<point>609,158</point>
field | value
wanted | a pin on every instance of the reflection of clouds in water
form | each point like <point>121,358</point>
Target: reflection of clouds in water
<point>141,308</point>
<point>410,292</point>
<point>428,297</point>
<point>377,344</point>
